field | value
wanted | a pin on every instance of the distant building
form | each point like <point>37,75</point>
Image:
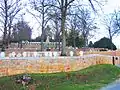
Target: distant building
<point>36,45</point>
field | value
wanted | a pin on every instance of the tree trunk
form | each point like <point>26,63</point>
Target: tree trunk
<point>9,38</point>
<point>59,43</point>
<point>42,40</point>
<point>9,34</point>
<point>110,38</point>
<point>74,43</point>
<point>5,27</point>
<point>57,34</point>
<point>43,32</point>
<point>4,39</point>
<point>63,18</point>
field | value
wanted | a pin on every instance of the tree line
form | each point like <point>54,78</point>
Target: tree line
<point>69,21</point>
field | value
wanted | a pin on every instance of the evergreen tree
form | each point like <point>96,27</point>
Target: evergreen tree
<point>74,39</point>
<point>90,44</point>
<point>104,43</point>
<point>21,31</point>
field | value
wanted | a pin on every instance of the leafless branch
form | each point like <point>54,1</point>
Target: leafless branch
<point>35,16</point>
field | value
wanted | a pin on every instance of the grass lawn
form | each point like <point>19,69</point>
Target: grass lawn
<point>91,78</point>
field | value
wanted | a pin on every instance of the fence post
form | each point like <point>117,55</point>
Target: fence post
<point>113,60</point>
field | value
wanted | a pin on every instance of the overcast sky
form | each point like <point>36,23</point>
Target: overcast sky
<point>109,7</point>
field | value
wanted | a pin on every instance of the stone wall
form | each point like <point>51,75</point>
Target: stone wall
<point>51,65</point>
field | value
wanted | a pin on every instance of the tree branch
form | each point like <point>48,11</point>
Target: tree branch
<point>35,16</point>
<point>69,2</point>
<point>92,5</point>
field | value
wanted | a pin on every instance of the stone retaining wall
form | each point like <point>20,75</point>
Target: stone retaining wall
<point>51,64</point>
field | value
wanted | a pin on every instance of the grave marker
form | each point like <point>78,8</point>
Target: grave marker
<point>71,53</point>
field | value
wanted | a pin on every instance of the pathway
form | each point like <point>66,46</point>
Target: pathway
<point>113,86</point>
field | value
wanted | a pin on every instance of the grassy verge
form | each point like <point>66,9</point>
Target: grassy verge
<point>91,78</point>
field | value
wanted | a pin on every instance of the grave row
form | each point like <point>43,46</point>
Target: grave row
<point>37,54</point>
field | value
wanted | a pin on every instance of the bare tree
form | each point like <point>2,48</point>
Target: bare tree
<point>74,26</point>
<point>108,22</point>
<point>55,18</point>
<point>9,9</point>
<point>112,24</point>
<point>82,21</point>
<point>116,23</point>
<point>87,24</point>
<point>42,7</point>
<point>63,6</point>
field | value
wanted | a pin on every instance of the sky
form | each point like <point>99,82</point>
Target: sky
<point>109,7</point>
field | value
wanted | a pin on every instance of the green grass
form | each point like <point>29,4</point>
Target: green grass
<point>91,78</point>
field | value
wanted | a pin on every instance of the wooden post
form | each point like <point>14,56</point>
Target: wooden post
<point>113,60</point>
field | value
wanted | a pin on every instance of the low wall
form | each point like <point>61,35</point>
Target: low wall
<point>50,64</point>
